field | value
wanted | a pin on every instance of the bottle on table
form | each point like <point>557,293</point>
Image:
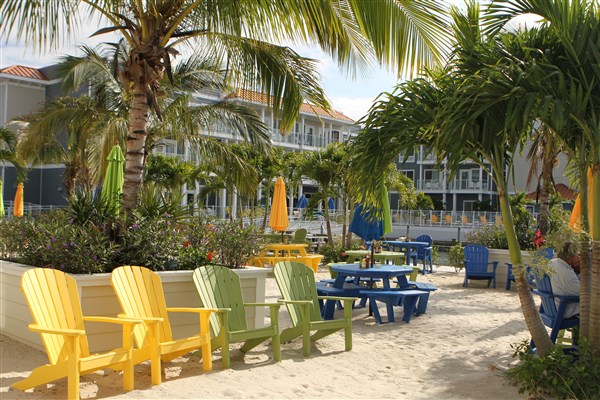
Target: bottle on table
<point>363,262</point>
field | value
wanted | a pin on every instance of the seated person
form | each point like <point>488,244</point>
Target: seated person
<point>565,281</point>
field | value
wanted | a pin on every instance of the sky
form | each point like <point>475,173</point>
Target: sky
<point>351,97</point>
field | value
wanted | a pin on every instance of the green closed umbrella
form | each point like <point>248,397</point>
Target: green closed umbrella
<point>112,188</point>
<point>2,213</point>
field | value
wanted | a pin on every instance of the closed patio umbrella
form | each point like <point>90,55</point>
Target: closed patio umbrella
<point>112,188</point>
<point>576,213</point>
<point>368,228</point>
<point>18,207</point>
<point>331,203</point>
<point>278,219</point>
<point>2,213</point>
<point>302,202</point>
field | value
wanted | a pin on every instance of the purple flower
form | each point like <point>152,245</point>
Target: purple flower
<point>52,239</point>
<point>61,266</point>
<point>135,226</point>
<point>72,244</point>
<point>65,246</point>
<point>48,247</point>
<point>167,215</point>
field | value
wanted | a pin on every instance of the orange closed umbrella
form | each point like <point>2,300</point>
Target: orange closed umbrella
<point>18,207</point>
<point>278,219</point>
<point>576,213</point>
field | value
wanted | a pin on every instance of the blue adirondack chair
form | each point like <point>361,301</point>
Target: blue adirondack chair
<point>552,314</point>
<point>510,277</point>
<point>477,266</point>
<point>425,254</point>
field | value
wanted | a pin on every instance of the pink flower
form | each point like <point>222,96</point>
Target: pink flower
<point>539,239</point>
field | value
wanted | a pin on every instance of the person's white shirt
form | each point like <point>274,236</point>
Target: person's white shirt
<point>565,282</point>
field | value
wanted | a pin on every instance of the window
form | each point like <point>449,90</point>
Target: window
<point>335,136</point>
<point>468,205</point>
<point>410,173</point>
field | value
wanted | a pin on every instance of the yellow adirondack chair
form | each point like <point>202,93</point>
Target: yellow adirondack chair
<point>53,300</point>
<point>141,295</point>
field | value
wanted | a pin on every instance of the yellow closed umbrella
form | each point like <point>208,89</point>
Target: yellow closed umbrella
<point>278,219</point>
<point>18,207</point>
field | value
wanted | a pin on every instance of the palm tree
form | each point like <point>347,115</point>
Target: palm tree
<point>92,124</point>
<point>322,166</point>
<point>404,34</point>
<point>8,154</point>
<point>474,109</point>
<point>573,93</point>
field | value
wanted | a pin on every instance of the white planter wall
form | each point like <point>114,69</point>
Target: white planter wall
<point>98,298</point>
<point>503,257</point>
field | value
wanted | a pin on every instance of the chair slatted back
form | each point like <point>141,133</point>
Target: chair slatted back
<point>300,235</point>
<point>53,300</point>
<point>476,258</point>
<point>219,287</point>
<point>423,238</point>
<point>296,281</point>
<point>544,290</point>
<point>448,219</point>
<point>141,295</point>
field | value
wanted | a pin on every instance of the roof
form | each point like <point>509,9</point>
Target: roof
<point>257,97</point>
<point>24,72</point>
<point>565,192</point>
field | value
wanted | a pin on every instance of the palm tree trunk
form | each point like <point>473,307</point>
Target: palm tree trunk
<point>594,328</point>
<point>267,198</point>
<point>545,192</point>
<point>530,313</point>
<point>136,147</point>
<point>585,274</point>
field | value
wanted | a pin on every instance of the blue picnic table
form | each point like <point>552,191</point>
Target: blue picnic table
<point>410,249</point>
<point>403,293</point>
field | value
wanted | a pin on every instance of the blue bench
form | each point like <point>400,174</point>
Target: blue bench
<point>324,288</point>
<point>424,298</point>
<point>393,298</point>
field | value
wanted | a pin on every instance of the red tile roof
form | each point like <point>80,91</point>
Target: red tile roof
<point>24,72</point>
<point>565,192</point>
<point>261,98</point>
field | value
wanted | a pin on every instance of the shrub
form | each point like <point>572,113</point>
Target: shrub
<point>492,236</point>
<point>333,253</point>
<point>562,374</point>
<point>456,256</point>
<point>232,245</point>
<point>52,241</point>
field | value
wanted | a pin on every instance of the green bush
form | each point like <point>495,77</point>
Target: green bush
<point>232,245</point>
<point>333,253</point>
<point>456,256</point>
<point>52,241</point>
<point>560,374</point>
<point>76,240</point>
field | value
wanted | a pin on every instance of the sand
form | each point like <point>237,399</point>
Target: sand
<point>457,350</point>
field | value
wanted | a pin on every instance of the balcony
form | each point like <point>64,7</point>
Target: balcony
<point>469,185</point>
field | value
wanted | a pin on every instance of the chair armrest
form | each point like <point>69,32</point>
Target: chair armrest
<point>494,265</point>
<point>65,332</point>
<point>143,319</point>
<point>112,320</point>
<point>294,301</point>
<point>192,310</point>
<point>262,305</point>
<point>567,299</point>
<point>341,298</point>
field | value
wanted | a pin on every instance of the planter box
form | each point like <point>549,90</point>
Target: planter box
<point>98,298</point>
<point>503,256</point>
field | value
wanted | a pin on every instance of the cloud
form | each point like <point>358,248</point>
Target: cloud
<point>353,107</point>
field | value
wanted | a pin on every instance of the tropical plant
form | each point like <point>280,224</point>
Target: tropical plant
<point>572,94</point>
<point>234,246</point>
<point>474,109</point>
<point>404,34</point>
<point>8,153</point>
<point>92,124</point>
<point>456,256</point>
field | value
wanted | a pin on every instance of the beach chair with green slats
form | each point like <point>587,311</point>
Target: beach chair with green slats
<point>219,287</point>
<point>296,282</point>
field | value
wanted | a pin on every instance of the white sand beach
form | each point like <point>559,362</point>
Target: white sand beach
<point>455,351</point>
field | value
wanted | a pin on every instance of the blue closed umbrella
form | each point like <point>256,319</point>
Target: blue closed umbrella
<point>302,202</point>
<point>331,203</point>
<point>368,228</point>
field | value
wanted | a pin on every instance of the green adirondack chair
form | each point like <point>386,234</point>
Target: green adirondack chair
<point>296,282</point>
<point>220,288</point>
